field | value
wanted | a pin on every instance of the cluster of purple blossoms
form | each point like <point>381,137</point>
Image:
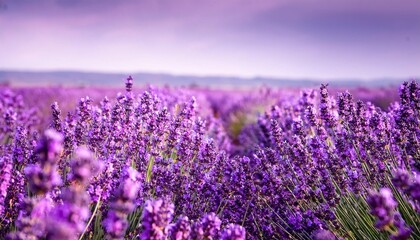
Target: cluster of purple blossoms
<point>43,175</point>
<point>67,219</point>
<point>5,177</point>
<point>155,219</point>
<point>233,232</point>
<point>383,207</point>
<point>410,185</point>
<point>181,229</point>
<point>41,217</point>
<point>115,224</point>
<point>207,228</point>
<point>157,216</point>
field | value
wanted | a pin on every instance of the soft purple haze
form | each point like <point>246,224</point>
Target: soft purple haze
<point>283,38</point>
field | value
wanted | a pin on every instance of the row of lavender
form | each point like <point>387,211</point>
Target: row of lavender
<point>307,168</point>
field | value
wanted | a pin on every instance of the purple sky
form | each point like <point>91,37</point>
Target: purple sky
<point>278,38</point>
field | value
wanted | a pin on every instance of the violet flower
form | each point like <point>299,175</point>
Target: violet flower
<point>116,223</point>
<point>157,214</point>
<point>382,205</point>
<point>181,229</point>
<point>233,232</point>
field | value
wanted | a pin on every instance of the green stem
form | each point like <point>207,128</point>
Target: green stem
<point>91,218</point>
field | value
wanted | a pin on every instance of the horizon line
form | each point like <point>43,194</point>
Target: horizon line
<point>302,78</point>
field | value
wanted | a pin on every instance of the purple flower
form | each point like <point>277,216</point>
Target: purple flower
<point>84,166</point>
<point>64,230</point>
<point>157,214</point>
<point>49,147</point>
<point>31,222</point>
<point>233,232</point>
<point>325,108</point>
<point>414,188</point>
<point>410,185</point>
<point>211,226</point>
<point>5,177</point>
<point>42,181</point>
<point>323,234</point>
<point>74,210</point>
<point>401,179</point>
<point>403,232</point>
<point>129,84</point>
<point>116,223</point>
<point>43,175</point>
<point>56,121</point>
<point>67,220</point>
<point>181,229</point>
<point>382,205</point>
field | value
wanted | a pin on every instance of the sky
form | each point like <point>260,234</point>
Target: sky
<point>318,39</point>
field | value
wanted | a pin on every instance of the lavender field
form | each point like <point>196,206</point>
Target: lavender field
<point>188,163</point>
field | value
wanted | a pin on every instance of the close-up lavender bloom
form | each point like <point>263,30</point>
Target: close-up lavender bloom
<point>403,231</point>
<point>67,220</point>
<point>115,224</point>
<point>408,184</point>
<point>211,226</point>
<point>414,192</point>
<point>5,177</point>
<point>181,229</point>
<point>50,147</point>
<point>382,205</point>
<point>401,179</point>
<point>83,167</point>
<point>233,232</point>
<point>43,174</point>
<point>157,214</point>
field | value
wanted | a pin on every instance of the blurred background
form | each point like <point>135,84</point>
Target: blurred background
<point>210,43</point>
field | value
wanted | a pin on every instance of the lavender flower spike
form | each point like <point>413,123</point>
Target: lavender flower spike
<point>181,229</point>
<point>233,232</point>
<point>43,175</point>
<point>5,177</point>
<point>116,223</point>
<point>382,206</point>
<point>156,217</point>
